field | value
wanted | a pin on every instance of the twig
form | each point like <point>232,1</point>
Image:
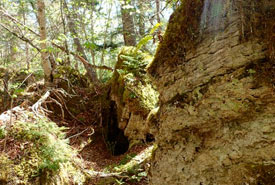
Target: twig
<point>85,62</point>
<point>78,134</point>
<point>64,104</point>
<point>24,80</point>
<point>16,21</point>
<point>59,104</point>
<point>23,38</point>
<point>170,1</point>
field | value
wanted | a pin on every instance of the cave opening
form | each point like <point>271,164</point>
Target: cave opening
<point>115,139</point>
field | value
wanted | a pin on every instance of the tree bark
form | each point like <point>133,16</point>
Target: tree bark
<point>128,25</point>
<point>26,44</point>
<point>158,11</point>
<point>68,62</point>
<point>46,64</point>
<point>141,16</point>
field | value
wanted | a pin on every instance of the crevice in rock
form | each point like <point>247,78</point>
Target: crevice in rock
<point>114,137</point>
<point>149,138</point>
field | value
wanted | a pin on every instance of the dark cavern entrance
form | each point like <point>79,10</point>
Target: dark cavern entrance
<point>114,137</point>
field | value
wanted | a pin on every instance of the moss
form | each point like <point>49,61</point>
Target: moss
<point>6,166</point>
<point>40,154</point>
<point>131,84</point>
<point>71,77</point>
<point>131,164</point>
<point>182,34</point>
<point>258,21</point>
<point>2,132</point>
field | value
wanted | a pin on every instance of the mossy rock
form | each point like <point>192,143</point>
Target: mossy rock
<point>130,81</point>
<point>133,92</point>
<point>38,153</point>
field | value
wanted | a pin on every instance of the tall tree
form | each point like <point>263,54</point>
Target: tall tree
<point>46,64</point>
<point>90,70</point>
<point>141,17</point>
<point>128,23</point>
<point>68,62</point>
<point>158,10</point>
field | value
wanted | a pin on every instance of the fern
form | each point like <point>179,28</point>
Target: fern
<point>148,37</point>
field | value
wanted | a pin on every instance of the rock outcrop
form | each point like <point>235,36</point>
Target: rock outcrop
<point>215,73</point>
<point>133,93</point>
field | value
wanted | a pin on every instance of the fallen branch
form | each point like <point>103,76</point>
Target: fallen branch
<point>85,62</point>
<point>95,174</point>
<point>78,134</point>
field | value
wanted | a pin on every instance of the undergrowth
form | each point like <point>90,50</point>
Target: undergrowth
<point>38,153</point>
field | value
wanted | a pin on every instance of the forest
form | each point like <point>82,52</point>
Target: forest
<point>137,92</point>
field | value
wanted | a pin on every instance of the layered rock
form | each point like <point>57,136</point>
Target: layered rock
<point>215,75</point>
<point>133,94</point>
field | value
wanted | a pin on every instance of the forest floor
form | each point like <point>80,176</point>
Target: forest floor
<point>88,139</point>
<point>85,136</point>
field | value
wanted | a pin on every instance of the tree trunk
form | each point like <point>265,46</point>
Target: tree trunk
<point>92,20</point>
<point>6,97</point>
<point>141,17</point>
<point>46,64</point>
<point>90,71</point>
<point>68,61</point>
<point>26,44</point>
<point>158,11</point>
<point>128,25</point>
<point>215,72</point>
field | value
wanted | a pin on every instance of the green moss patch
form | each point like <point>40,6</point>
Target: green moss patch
<point>37,152</point>
<point>131,83</point>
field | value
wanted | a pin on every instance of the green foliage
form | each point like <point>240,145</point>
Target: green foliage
<point>73,76</point>
<point>44,153</point>
<point>90,45</point>
<point>251,71</point>
<point>127,158</point>
<point>155,28</point>
<point>133,165</point>
<point>133,83</point>
<point>148,37</point>
<point>43,133</point>
<point>2,132</point>
<point>132,60</point>
<point>144,41</point>
<point>134,171</point>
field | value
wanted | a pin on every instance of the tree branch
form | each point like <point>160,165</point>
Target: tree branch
<point>21,37</point>
<point>85,62</point>
<point>16,21</point>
